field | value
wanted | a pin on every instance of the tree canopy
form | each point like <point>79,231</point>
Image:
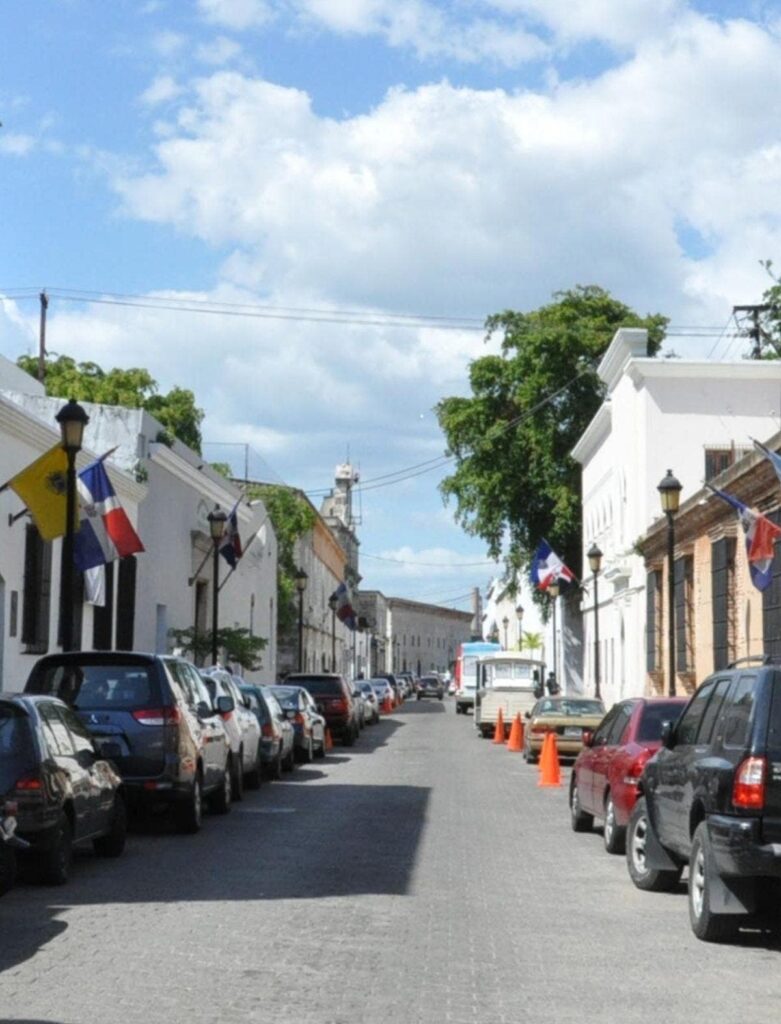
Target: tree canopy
<point>514,480</point>
<point>134,388</point>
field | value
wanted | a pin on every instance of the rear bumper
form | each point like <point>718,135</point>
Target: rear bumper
<point>565,747</point>
<point>465,701</point>
<point>738,851</point>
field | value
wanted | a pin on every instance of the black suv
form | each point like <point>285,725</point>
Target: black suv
<point>711,798</point>
<point>170,740</point>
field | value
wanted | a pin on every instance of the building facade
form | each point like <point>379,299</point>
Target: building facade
<point>425,637</point>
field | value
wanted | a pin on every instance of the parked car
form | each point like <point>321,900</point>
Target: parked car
<point>384,692</point>
<point>431,686</point>
<point>65,791</point>
<point>372,708</point>
<point>9,841</point>
<point>566,718</point>
<point>277,737</point>
<point>605,775</point>
<point>334,701</point>
<point>242,729</point>
<point>170,743</point>
<point>711,798</point>
<point>360,703</point>
<point>394,684</point>
<point>308,724</point>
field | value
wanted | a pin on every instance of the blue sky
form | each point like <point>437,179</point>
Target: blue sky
<point>375,157</point>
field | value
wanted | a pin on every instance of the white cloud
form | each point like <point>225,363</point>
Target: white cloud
<point>168,44</point>
<point>219,51</point>
<point>16,143</point>
<point>162,90</point>
<point>236,14</point>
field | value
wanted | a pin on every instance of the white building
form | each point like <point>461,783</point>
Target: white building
<point>501,606</point>
<point>168,491</point>
<point>658,414</point>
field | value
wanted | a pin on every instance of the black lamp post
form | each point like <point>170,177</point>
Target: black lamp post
<point>553,591</point>
<point>594,556</point>
<point>72,420</point>
<point>505,624</point>
<point>519,617</point>
<point>333,601</point>
<point>301,580</point>
<point>670,494</point>
<point>217,519</point>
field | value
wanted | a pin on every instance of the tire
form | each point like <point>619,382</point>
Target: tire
<point>528,755</point>
<point>112,844</point>
<point>309,752</point>
<point>220,803</point>
<point>289,762</point>
<point>276,768</point>
<point>348,739</point>
<point>580,820</point>
<point>55,863</point>
<point>645,878</point>
<point>706,925</point>
<point>7,868</point>
<point>254,777</point>
<point>614,835</point>
<point>237,782</point>
<point>419,697</point>
<point>189,816</point>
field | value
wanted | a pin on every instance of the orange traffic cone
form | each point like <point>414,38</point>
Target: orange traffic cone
<point>499,730</point>
<point>329,743</point>
<point>514,743</point>
<point>550,770</point>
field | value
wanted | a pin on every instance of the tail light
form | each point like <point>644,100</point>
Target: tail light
<point>158,716</point>
<point>226,715</point>
<point>29,787</point>
<point>748,789</point>
<point>635,769</point>
<point>267,730</point>
<point>340,705</point>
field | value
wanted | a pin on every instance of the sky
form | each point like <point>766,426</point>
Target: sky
<point>371,179</point>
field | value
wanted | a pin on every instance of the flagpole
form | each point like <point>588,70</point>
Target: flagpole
<point>246,549</point>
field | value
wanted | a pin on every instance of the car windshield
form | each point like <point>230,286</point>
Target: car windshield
<point>17,750</point>
<point>571,708</point>
<point>650,727</point>
<point>323,685</point>
<point>100,687</point>
<point>258,702</point>
<point>286,695</point>
<point>273,703</point>
<point>430,680</point>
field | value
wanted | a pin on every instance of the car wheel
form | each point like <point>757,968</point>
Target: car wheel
<point>7,868</point>
<point>528,754</point>
<point>190,813</point>
<point>113,842</point>
<point>55,864</point>
<point>642,875</point>
<point>220,803</point>
<point>289,762</point>
<point>580,820</point>
<point>349,737</point>
<point>237,781</point>
<point>276,768</point>
<point>309,751</point>
<point>253,778</point>
<point>705,924</point>
<point>614,835</point>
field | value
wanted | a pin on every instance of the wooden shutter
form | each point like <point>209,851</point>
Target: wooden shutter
<point>103,617</point>
<point>720,585</point>
<point>771,608</point>
<point>651,585</point>
<point>126,603</point>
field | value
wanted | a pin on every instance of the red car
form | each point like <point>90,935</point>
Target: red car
<point>604,777</point>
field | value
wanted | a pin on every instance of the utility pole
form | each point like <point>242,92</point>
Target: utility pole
<point>42,337</point>
<point>755,331</point>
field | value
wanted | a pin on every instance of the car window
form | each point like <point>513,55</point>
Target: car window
<point>99,687</point>
<point>601,734</point>
<point>273,705</point>
<point>17,750</point>
<point>57,737</point>
<point>619,725</point>
<point>712,711</point>
<point>81,738</point>
<point>737,711</point>
<point>322,686</point>
<point>689,723</point>
<point>650,726</point>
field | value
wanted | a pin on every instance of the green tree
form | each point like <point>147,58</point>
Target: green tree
<point>134,388</point>
<point>531,641</point>
<point>239,645</point>
<point>291,516</point>
<point>514,480</point>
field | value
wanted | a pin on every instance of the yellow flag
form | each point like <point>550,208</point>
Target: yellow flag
<point>42,487</point>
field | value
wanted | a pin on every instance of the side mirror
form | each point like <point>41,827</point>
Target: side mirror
<point>225,705</point>
<point>667,735</point>
<point>588,738</point>
<point>528,715</point>
<point>109,750</point>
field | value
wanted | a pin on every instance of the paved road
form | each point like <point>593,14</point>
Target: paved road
<point>420,878</point>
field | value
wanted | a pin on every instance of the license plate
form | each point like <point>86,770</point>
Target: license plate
<point>573,731</point>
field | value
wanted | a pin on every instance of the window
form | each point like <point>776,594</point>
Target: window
<point>689,724</point>
<point>723,586</point>
<point>103,615</point>
<point>718,458</point>
<point>653,630</point>
<point>79,734</point>
<point>36,600</point>
<point>771,604</point>
<point>126,603</point>
<point>684,614</point>
<point>712,712</point>
<point>650,727</point>
<point>737,714</point>
<point>57,737</point>
<point>618,728</point>
<point>604,727</point>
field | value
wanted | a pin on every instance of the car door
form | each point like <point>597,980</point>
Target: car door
<point>673,775</point>
<point>607,754</point>
<point>590,757</point>
<point>75,781</point>
<point>214,735</point>
<point>99,780</point>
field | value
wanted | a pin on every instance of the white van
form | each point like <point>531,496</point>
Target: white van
<point>507,680</point>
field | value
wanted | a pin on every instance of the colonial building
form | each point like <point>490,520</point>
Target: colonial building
<point>424,637</point>
<point>694,417</point>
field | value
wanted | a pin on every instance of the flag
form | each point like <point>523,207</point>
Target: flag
<point>105,532</point>
<point>547,567</point>
<point>42,486</point>
<point>344,609</point>
<point>773,458</point>
<point>230,549</point>
<point>760,536</point>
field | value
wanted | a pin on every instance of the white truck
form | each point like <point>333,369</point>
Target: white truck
<point>507,680</point>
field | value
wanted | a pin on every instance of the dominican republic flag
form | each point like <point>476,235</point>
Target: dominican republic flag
<point>105,532</point>
<point>547,567</point>
<point>230,549</point>
<point>344,609</point>
<point>773,458</point>
<point>761,536</point>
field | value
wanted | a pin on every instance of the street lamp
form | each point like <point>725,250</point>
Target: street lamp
<point>72,420</point>
<point>553,591</point>
<point>217,520</point>
<point>519,617</point>
<point>333,601</point>
<point>301,579</point>
<point>594,556</point>
<point>505,624</point>
<point>670,494</point>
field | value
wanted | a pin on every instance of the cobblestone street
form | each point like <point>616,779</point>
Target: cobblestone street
<point>421,876</point>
